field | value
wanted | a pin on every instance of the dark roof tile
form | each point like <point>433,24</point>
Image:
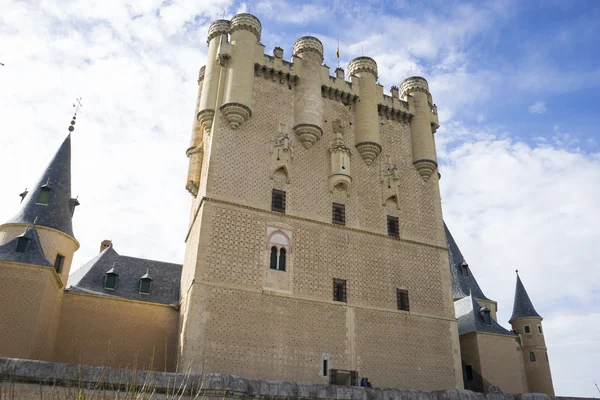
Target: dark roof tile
<point>522,306</point>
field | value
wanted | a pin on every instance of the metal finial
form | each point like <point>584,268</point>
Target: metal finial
<point>78,106</point>
<point>517,271</point>
<point>35,220</point>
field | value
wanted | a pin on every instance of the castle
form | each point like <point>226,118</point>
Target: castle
<point>316,249</point>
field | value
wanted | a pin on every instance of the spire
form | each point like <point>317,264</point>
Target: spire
<point>522,306</point>
<point>50,198</point>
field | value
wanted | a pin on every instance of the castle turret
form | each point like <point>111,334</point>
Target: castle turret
<point>194,152</point>
<point>245,30</point>
<point>217,34</point>
<point>36,251</point>
<point>308,102</point>
<point>423,124</point>
<point>366,116</point>
<point>528,324</point>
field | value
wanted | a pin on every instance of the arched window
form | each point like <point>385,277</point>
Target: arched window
<point>282,259</point>
<point>531,356</point>
<point>273,257</point>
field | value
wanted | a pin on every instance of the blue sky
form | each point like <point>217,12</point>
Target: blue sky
<point>516,84</point>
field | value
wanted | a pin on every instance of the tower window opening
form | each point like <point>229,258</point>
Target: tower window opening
<point>531,356</point>
<point>339,290</point>
<point>547,357</point>
<point>278,201</point>
<point>44,196</point>
<point>393,226</point>
<point>527,329</point>
<point>487,318</point>
<point>402,299</point>
<point>464,268</point>
<point>145,285</point>
<point>110,280</point>
<point>540,329</point>
<point>325,365</point>
<point>58,263</point>
<point>339,214</point>
<point>282,253</point>
<point>22,245</point>
<point>469,372</point>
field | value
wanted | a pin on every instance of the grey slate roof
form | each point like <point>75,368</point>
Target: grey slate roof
<point>58,212</point>
<point>165,277</point>
<point>463,284</point>
<point>522,306</point>
<point>470,318</point>
<point>32,255</point>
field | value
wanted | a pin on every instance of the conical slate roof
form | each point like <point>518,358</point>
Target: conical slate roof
<point>33,254</point>
<point>58,212</point>
<point>522,306</point>
<point>463,282</point>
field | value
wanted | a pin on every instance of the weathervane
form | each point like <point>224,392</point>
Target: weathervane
<point>78,108</point>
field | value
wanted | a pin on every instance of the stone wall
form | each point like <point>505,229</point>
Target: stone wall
<point>24,379</point>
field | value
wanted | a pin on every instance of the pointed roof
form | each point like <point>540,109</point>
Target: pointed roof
<point>463,280</point>
<point>33,253</point>
<point>522,306</point>
<point>58,212</point>
<point>469,315</point>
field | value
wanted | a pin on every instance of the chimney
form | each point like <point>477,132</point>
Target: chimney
<point>105,245</point>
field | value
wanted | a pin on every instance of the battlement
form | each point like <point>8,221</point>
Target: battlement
<point>362,64</point>
<point>247,22</point>
<point>308,44</point>
<point>219,27</point>
<point>415,84</point>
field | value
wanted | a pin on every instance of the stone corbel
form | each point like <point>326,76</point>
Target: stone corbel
<point>282,152</point>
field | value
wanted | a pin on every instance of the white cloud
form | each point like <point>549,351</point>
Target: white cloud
<point>539,107</point>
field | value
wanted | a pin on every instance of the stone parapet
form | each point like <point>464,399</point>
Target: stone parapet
<point>415,84</point>
<point>362,64</point>
<point>219,27</point>
<point>247,22</point>
<point>36,376</point>
<point>308,43</point>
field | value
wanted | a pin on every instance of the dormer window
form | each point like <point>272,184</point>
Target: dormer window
<point>22,244</point>
<point>110,279</point>
<point>145,283</point>
<point>487,318</point>
<point>44,195</point>
<point>464,267</point>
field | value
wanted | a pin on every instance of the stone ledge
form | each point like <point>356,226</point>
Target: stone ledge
<point>19,371</point>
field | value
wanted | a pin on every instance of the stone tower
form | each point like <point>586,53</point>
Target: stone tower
<point>527,323</point>
<point>316,249</point>
<point>36,251</point>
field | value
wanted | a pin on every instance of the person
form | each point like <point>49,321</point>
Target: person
<point>368,383</point>
<point>363,382</point>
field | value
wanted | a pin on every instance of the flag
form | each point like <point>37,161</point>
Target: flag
<point>337,53</point>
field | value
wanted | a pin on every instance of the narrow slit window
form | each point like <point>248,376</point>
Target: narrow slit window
<point>278,201</point>
<point>402,299</point>
<point>58,263</point>
<point>531,356</point>
<point>22,245</point>
<point>44,196</point>
<point>145,284</point>
<point>273,264</point>
<point>540,329</point>
<point>339,214</point>
<point>469,372</point>
<point>282,254</point>
<point>465,268</point>
<point>325,366</point>
<point>393,227</point>
<point>339,290</point>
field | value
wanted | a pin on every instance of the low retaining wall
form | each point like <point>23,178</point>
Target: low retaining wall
<point>25,379</point>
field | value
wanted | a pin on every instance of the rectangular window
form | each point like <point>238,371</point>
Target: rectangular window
<point>527,329</point>
<point>402,299</point>
<point>343,378</point>
<point>392,226</point>
<point>469,372</point>
<point>44,196</point>
<point>540,329</point>
<point>339,214</point>
<point>145,286</point>
<point>278,201</point>
<point>58,263</point>
<point>339,290</point>
<point>22,244</point>
<point>110,281</point>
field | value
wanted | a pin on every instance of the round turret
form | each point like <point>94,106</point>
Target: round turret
<point>246,22</point>
<point>362,64</point>
<point>309,44</point>
<point>414,84</point>
<point>217,28</point>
